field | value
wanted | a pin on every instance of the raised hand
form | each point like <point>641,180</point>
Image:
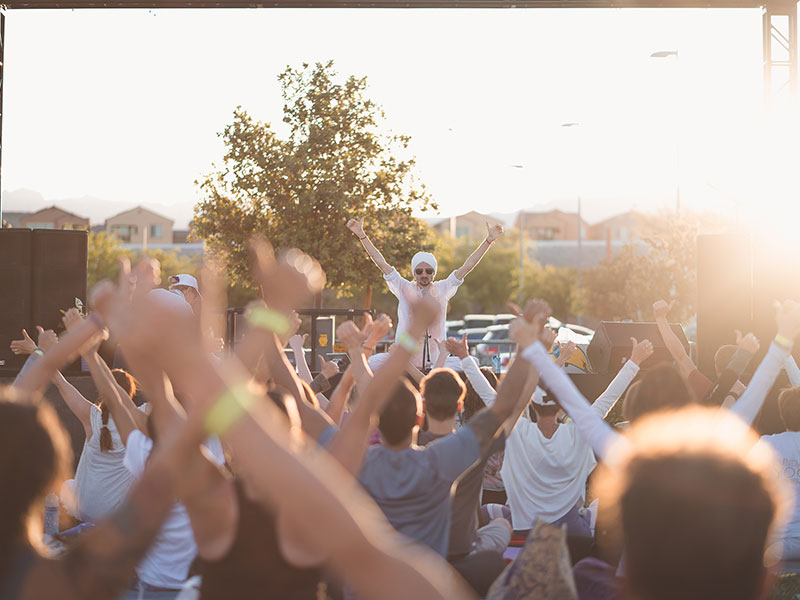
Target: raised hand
<point>788,319</point>
<point>661,309</point>
<point>457,346</point>
<point>297,341</point>
<point>493,232</point>
<point>641,351</point>
<point>288,281</point>
<point>747,342</point>
<point>24,346</point>
<point>423,313</point>
<point>47,338</point>
<point>357,227</point>
<point>351,336</point>
<point>548,338</point>
<point>328,368</point>
<point>565,351</point>
<point>380,327</point>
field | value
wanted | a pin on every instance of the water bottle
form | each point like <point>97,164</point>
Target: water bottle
<point>51,514</point>
<point>496,362</point>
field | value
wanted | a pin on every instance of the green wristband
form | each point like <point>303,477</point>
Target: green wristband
<point>784,341</point>
<point>38,352</point>
<point>231,406</point>
<point>268,319</point>
<point>408,342</point>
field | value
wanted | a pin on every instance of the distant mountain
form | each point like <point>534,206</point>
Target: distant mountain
<point>96,209</point>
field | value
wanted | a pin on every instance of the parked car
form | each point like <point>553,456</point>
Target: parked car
<point>485,350</point>
<point>503,319</point>
<point>474,334</point>
<point>476,321</point>
<point>452,328</point>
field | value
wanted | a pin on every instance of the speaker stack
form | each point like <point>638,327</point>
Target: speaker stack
<point>611,345</point>
<point>42,273</point>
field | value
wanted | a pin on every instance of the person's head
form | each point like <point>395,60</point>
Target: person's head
<point>544,403</point>
<point>723,357</point>
<point>472,401</point>
<point>34,455</point>
<point>696,499</point>
<point>442,394</point>
<point>423,267</point>
<point>401,415</point>
<point>789,407</point>
<point>659,388</point>
<point>186,285</point>
<point>127,382</point>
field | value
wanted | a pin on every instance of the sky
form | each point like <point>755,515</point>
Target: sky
<point>125,105</point>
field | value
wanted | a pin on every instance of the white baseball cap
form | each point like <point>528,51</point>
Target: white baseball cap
<point>183,279</point>
<point>170,300</point>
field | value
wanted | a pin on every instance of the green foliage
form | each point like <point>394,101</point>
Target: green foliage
<point>627,287</point>
<point>104,252</point>
<point>335,164</point>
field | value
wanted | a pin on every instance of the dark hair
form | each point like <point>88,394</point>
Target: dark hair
<point>128,383</point>
<point>659,388</point>
<point>310,395</point>
<point>399,415</point>
<point>709,517</point>
<point>723,357</point>
<point>789,408</point>
<point>472,401</point>
<point>442,390</point>
<point>546,410</point>
<point>696,497</point>
<point>34,455</point>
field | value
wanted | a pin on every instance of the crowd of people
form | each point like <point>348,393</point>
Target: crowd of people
<point>414,473</point>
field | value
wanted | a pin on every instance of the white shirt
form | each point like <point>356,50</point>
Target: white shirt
<point>545,478</point>
<point>787,446</point>
<point>407,291</point>
<point>171,554</point>
<point>101,478</point>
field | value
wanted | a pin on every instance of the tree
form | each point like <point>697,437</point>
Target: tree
<point>335,164</point>
<point>627,287</point>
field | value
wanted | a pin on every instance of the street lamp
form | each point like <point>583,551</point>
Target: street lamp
<point>667,54</point>
<point>580,237</point>
<point>520,299</point>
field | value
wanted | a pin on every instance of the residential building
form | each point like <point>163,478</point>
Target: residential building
<point>471,225</point>
<point>53,218</point>
<point>554,225</point>
<point>627,227</point>
<point>140,226</point>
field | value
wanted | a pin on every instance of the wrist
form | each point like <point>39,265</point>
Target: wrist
<point>784,340</point>
<point>488,241</point>
<point>37,352</point>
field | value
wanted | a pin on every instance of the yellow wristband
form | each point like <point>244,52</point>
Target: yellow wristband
<point>784,341</point>
<point>231,406</point>
<point>268,319</point>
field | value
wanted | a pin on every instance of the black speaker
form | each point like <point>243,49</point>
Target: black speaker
<point>58,278</point>
<point>724,294</point>
<point>611,345</point>
<point>15,295</point>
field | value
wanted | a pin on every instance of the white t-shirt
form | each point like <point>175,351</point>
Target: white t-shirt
<point>407,291</point>
<point>101,479</point>
<point>546,478</point>
<point>787,446</point>
<point>169,558</point>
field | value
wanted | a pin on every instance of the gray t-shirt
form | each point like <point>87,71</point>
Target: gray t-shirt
<point>412,486</point>
<point>467,498</point>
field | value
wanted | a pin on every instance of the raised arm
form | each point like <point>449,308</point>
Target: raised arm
<point>492,233</point>
<point>89,353</point>
<point>357,227</point>
<point>792,370</point>
<point>749,405</point>
<point>340,396</point>
<point>677,351</point>
<point>724,389</point>
<point>640,353</point>
<point>75,401</point>
<point>460,349</point>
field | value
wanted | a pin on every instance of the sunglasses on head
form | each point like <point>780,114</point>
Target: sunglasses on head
<point>427,271</point>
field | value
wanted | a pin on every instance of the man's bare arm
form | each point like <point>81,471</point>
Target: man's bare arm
<point>671,341</point>
<point>472,261</point>
<point>357,227</point>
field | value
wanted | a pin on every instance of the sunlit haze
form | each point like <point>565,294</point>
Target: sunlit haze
<point>125,105</point>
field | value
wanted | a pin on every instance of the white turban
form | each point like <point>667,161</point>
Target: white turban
<point>423,257</point>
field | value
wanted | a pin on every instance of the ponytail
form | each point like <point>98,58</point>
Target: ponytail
<point>105,433</point>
